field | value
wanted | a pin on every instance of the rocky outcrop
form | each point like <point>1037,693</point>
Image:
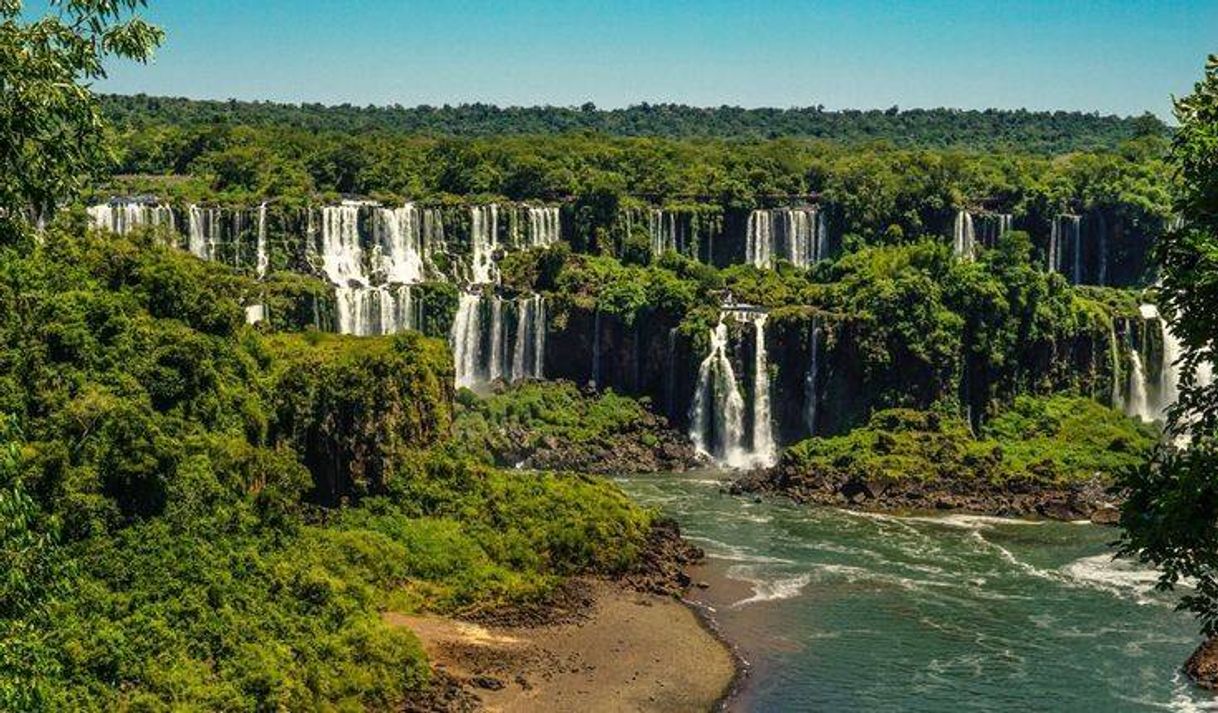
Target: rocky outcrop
<point>661,568</point>
<point>1202,666</point>
<point>1089,500</point>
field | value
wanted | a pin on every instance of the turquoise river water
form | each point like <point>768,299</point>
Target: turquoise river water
<point>839,611</point>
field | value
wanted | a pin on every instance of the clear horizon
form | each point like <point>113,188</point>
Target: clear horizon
<point>1101,56</point>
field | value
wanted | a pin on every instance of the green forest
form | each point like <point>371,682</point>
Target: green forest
<point>989,130</point>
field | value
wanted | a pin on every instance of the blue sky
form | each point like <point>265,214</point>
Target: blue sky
<point>1110,56</point>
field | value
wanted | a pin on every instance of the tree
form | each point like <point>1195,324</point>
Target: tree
<point>51,128</point>
<point>1170,518</point>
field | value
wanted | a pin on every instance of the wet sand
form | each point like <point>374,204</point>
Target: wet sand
<point>633,652</point>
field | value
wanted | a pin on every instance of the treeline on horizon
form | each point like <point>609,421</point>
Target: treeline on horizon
<point>977,130</point>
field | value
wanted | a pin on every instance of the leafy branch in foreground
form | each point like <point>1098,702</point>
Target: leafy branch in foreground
<point>51,128</point>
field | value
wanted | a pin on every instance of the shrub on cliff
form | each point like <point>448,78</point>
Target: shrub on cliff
<point>1053,441</point>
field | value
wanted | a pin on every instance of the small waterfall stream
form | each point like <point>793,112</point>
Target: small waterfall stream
<point>812,379</point>
<point>1066,247</point>
<point>263,259</point>
<point>964,243</point>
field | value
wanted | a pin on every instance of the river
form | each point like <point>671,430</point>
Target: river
<point>841,611</point>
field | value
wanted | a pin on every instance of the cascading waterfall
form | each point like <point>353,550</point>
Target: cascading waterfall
<point>484,240</point>
<point>341,253</point>
<point>400,244</point>
<point>763,428</point>
<point>529,352</point>
<point>1138,404</point>
<point>798,235</point>
<point>662,229</point>
<point>467,339</point>
<point>256,313</point>
<point>822,235</point>
<point>1066,230</point>
<point>365,308</point>
<point>263,259</point>
<point>519,324</point>
<point>544,227</point>
<point>1169,372</point>
<point>964,242</point>
<point>204,231</point>
<point>123,217</point>
<point>717,416</point>
<point>1150,398</point>
<point>374,310</point>
<point>760,240</point>
<point>990,227</point>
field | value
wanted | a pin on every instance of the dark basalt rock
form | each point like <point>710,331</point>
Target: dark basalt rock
<point>1202,666</point>
<point>1089,500</point>
<point>661,568</point>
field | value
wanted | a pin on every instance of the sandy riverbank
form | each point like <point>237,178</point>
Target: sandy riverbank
<point>631,652</point>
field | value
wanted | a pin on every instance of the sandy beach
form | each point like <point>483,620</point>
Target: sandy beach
<point>632,652</point>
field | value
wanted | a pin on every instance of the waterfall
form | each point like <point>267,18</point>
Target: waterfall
<point>342,256</point>
<point>528,352</point>
<point>544,227</point>
<point>494,367</point>
<point>400,244</point>
<point>760,240</point>
<point>262,258</point>
<point>538,322</point>
<point>123,217</point>
<point>1138,405</point>
<point>203,231</point>
<point>763,428</point>
<point>524,319</point>
<point>1149,398</point>
<point>812,379</point>
<point>1055,239</point>
<point>794,234</point>
<point>369,311</point>
<point>255,314</point>
<point>662,231</point>
<point>484,240</point>
<point>717,415</point>
<point>1169,372</point>
<point>364,308</point>
<point>467,339</point>
<point>965,236</point>
<point>990,227</point>
<point>1066,229</point>
<point>822,235</point>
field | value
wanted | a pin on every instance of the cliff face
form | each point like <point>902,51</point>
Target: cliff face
<point>356,409</point>
<point>848,329</point>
